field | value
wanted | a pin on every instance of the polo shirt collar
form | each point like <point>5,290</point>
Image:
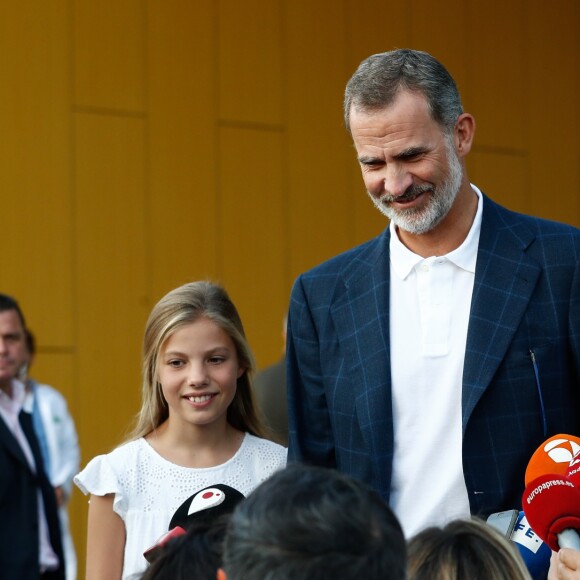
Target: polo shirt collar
<point>404,260</point>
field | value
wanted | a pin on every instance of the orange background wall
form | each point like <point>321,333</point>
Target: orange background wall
<point>146,143</point>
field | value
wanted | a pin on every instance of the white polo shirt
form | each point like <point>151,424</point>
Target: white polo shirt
<point>430,301</point>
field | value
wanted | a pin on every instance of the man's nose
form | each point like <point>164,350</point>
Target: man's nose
<point>397,179</point>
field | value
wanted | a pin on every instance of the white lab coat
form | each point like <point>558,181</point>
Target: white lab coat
<point>64,453</point>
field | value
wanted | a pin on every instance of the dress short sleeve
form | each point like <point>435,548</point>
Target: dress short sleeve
<point>100,478</point>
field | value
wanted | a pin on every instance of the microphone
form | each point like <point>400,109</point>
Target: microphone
<point>552,507</point>
<point>535,553</point>
<point>204,506</point>
<point>553,456</point>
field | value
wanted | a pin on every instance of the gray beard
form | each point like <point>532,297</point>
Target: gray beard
<point>424,219</point>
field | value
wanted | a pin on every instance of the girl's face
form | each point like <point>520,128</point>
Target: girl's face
<point>198,370</point>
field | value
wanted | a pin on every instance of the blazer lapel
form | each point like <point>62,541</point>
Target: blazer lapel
<point>8,440</point>
<point>504,282</point>
<point>361,317</point>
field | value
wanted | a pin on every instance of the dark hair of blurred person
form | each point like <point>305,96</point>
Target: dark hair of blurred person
<point>197,555</point>
<point>313,523</point>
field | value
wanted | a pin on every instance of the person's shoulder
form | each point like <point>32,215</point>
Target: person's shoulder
<point>549,243</point>
<point>127,447</point>
<point>118,460</point>
<point>48,392</point>
<point>124,454</point>
<point>115,472</point>
<point>260,446</point>
<point>537,225</point>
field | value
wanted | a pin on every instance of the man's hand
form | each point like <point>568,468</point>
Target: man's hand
<point>59,493</point>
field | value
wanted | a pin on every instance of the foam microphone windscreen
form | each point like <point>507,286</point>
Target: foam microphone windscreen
<point>206,505</point>
<point>535,553</point>
<point>552,505</point>
<point>553,456</point>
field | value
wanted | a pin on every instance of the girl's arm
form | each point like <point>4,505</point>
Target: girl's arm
<point>105,540</point>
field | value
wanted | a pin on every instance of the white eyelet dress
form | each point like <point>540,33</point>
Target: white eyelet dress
<point>148,489</point>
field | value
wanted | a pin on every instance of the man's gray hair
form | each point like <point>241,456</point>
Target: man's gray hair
<point>378,79</point>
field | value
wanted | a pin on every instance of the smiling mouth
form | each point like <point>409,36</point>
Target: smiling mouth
<point>409,196</point>
<point>199,398</point>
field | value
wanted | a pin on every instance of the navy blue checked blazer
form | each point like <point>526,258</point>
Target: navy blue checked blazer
<point>521,378</point>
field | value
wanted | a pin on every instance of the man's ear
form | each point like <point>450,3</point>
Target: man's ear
<point>464,133</point>
<point>221,574</point>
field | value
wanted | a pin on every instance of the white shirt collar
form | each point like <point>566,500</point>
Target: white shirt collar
<point>404,260</point>
<point>15,402</point>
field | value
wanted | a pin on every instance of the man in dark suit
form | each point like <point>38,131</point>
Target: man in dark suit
<point>30,545</point>
<point>271,394</point>
<point>433,360</point>
<point>270,389</point>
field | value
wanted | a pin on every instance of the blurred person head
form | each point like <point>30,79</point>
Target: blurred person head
<point>197,555</point>
<point>180,307</point>
<point>464,549</point>
<point>313,523</point>
<point>12,341</point>
<point>29,352</point>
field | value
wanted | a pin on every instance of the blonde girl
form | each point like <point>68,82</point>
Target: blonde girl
<point>198,426</point>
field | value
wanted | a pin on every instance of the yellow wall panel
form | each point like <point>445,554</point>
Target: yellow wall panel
<point>250,65</point>
<point>111,266</point>
<point>109,54</point>
<point>444,33</point>
<point>181,144</point>
<point>502,177</point>
<point>552,99</point>
<point>497,69</point>
<point>35,166</point>
<point>56,368</point>
<point>218,151</point>
<point>374,27</point>
<point>319,150</point>
<point>111,283</point>
<point>254,234</point>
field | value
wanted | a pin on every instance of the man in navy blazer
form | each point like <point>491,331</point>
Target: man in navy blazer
<point>433,360</point>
